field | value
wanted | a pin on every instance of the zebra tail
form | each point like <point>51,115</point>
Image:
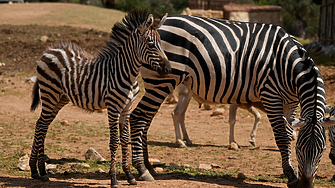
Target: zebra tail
<point>36,97</point>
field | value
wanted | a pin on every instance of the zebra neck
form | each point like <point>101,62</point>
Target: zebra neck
<point>125,66</point>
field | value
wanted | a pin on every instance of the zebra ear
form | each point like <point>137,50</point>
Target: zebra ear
<point>161,21</point>
<point>328,122</point>
<point>148,23</point>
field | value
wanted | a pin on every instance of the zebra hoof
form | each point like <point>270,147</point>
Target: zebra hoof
<point>181,144</point>
<point>146,176</point>
<point>35,176</point>
<point>253,143</point>
<point>132,182</point>
<point>293,183</point>
<point>45,178</point>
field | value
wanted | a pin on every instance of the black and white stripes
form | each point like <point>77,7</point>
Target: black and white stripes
<point>223,61</point>
<point>67,73</point>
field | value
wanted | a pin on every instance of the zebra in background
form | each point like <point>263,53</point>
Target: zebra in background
<point>231,62</point>
<point>67,73</point>
<point>178,116</point>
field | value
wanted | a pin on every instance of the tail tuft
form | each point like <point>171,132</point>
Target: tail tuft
<point>36,97</point>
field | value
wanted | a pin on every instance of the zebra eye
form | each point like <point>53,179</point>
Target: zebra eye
<point>151,44</point>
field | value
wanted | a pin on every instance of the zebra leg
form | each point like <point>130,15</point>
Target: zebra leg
<point>113,118</point>
<point>257,116</point>
<point>124,137</point>
<point>178,115</point>
<point>331,133</point>
<point>140,120</point>
<point>275,113</point>
<point>232,121</point>
<point>48,114</point>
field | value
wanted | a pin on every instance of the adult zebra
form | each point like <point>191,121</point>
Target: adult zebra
<point>67,73</point>
<point>230,62</point>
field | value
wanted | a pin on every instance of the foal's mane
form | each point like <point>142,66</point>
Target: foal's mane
<point>122,30</point>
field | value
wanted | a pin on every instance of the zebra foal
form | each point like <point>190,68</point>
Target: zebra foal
<point>223,61</point>
<point>67,73</point>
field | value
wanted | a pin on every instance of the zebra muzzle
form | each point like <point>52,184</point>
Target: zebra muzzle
<point>164,67</point>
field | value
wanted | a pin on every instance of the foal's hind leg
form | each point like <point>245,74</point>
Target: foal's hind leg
<point>124,137</point>
<point>50,109</point>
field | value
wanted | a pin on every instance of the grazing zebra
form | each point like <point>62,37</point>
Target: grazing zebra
<point>67,73</point>
<point>231,62</point>
<point>178,116</point>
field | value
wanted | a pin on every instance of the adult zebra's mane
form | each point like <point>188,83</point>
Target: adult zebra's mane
<point>122,30</point>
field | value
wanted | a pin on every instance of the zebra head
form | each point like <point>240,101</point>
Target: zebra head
<point>331,133</point>
<point>150,48</point>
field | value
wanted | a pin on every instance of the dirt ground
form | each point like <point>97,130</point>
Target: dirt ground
<point>20,48</point>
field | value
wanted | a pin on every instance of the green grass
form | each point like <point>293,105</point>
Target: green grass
<point>60,14</point>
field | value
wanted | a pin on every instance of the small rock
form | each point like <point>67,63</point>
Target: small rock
<point>233,146</point>
<point>155,162</point>
<point>232,157</point>
<point>80,166</point>
<point>174,165</point>
<point>23,163</point>
<point>51,167</point>
<point>217,112</point>
<point>44,38</point>
<point>159,169</point>
<point>171,99</point>
<point>92,154</point>
<point>65,123</point>
<point>2,64</point>
<point>207,107</point>
<point>241,176</point>
<point>215,166</point>
<point>204,166</point>
<point>100,170</point>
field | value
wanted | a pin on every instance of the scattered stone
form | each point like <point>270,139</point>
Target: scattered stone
<point>233,146</point>
<point>51,167</point>
<point>155,162</point>
<point>214,166</point>
<point>44,38</point>
<point>217,112</point>
<point>174,165</point>
<point>65,123</point>
<point>80,166</point>
<point>23,163</point>
<point>100,170</point>
<point>232,157</point>
<point>204,166</point>
<point>92,154</point>
<point>159,169</point>
<point>241,176</point>
<point>207,107</point>
<point>171,99</point>
<point>2,64</point>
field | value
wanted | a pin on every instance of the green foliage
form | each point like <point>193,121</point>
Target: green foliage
<point>157,7</point>
<point>305,11</point>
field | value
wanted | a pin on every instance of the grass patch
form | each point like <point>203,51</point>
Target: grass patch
<point>60,14</point>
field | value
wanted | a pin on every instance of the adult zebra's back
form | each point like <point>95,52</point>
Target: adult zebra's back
<point>224,61</point>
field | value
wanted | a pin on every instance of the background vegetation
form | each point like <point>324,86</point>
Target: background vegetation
<point>295,12</point>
